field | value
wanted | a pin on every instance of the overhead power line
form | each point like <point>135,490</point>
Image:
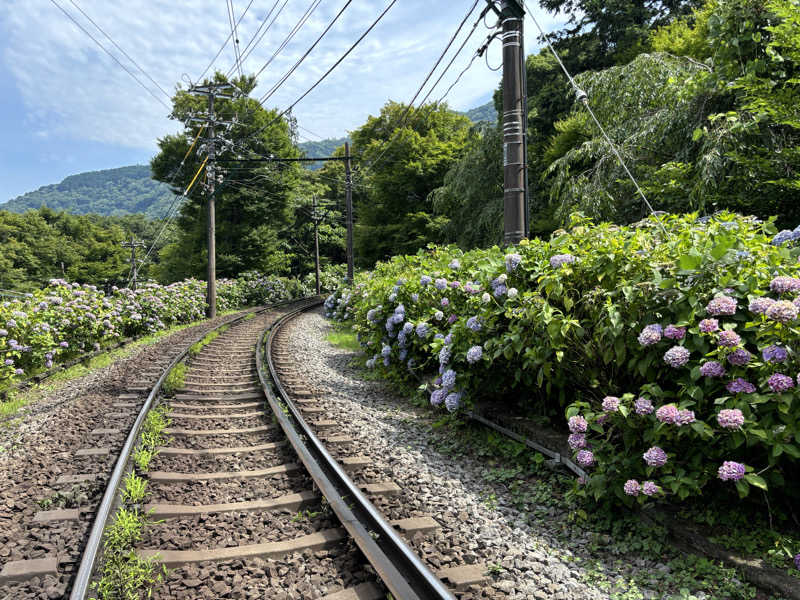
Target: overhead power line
<point>258,35</point>
<point>288,74</point>
<point>117,46</point>
<point>103,48</point>
<point>225,43</point>
<point>231,19</point>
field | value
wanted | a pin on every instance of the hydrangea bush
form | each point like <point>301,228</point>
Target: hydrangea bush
<point>672,351</point>
<point>66,319</point>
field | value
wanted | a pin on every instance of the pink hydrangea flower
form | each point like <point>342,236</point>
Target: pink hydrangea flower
<point>577,424</point>
<point>730,418</point>
<point>708,325</point>
<point>721,306</point>
<point>712,369</point>
<point>676,357</point>
<point>731,471</point>
<point>672,332</point>
<point>729,338</point>
<point>760,305</point>
<point>778,382</point>
<point>585,458</point>
<point>577,440</point>
<point>643,406</point>
<point>649,488</point>
<point>632,487</point>
<point>610,404</point>
<point>668,414</point>
<point>686,417</point>
<point>782,311</point>
<point>655,457</point>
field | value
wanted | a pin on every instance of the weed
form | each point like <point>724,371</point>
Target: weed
<point>174,380</point>
<point>343,337</point>
<point>305,515</point>
<point>197,347</point>
<point>135,489</point>
<point>494,569</point>
<point>489,500</point>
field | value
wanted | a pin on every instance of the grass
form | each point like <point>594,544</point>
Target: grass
<point>174,380</point>
<point>152,436</point>
<point>343,337</point>
<point>197,347</point>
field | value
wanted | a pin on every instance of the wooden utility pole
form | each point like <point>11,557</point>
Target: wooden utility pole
<point>212,91</point>
<point>133,244</point>
<point>512,15</point>
<point>315,217</point>
<point>348,187</point>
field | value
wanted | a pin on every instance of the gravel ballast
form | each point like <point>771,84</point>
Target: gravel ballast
<point>525,562</point>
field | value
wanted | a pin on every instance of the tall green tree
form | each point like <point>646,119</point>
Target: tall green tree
<point>405,159</point>
<point>253,201</point>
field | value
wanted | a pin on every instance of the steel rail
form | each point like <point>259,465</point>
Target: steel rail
<point>80,586</point>
<point>397,565</point>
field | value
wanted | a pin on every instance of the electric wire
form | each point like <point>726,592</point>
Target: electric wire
<point>225,43</point>
<point>117,46</point>
<point>288,74</point>
<point>404,118</point>
<point>583,97</point>
<point>104,49</point>
<point>231,18</point>
<point>253,43</point>
<point>298,26</point>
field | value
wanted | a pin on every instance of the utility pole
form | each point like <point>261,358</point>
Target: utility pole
<point>316,218</point>
<point>348,187</point>
<point>212,91</point>
<point>512,15</point>
<point>133,244</point>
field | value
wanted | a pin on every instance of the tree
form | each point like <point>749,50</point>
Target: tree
<point>411,156</point>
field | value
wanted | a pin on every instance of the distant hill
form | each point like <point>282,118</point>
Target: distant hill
<point>485,112</point>
<point>112,192</point>
<point>321,148</point>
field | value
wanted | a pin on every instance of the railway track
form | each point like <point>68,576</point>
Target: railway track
<point>255,495</point>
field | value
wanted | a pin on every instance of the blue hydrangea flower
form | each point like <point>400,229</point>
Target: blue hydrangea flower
<point>422,330</point>
<point>425,280</point>
<point>474,324</point>
<point>782,237</point>
<point>437,397</point>
<point>444,355</point>
<point>448,339</point>
<point>455,264</point>
<point>453,401</point>
<point>386,351</point>
<point>440,283</point>
<point>408,328</point>
<point>449,378</point>
<point>474,354</point>
<point>512,261</point>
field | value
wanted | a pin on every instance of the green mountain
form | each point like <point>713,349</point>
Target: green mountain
<point>320,149</point>
<point>112,192</point>
<point>485,112</point>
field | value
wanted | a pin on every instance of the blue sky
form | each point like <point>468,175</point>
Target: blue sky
<point>69,108</point>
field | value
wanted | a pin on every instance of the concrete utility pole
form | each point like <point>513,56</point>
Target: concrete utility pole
<point>212,91</point>
<point>348,187</point>
<point>133,245</point>
<point>512,15</point>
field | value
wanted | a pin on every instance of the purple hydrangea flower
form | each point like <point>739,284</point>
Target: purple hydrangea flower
<point>729,338</point>
<point>499,290</point>
<point>455,284</point>
<point>685,417</point>
<point>774,354</point>
<point>676,357</point>
<point>64,344</point>
<point>9,363</point>
<point>655,457</point>
<point>708,325</point>
<point>783,284</point>
<point>721,306</point>
<point>782,311</point>
<point>559,260</point>
<point>668,413</point>
<point>632,487</point>
<point>437,397</point>
<point>585,458</point>
<point>797,561</point>
<point>448,339</point>
<point>731,471</point>
<point>730,418</point>
<point>445,302</point>
<point>474,354</point>
<point>650,335</point>
<point>672,332</point>
<point>19,372</point>
<point>778,382</point>
<point>760,305</point>
<point>449,378</point>
<point>741,386</point>
<point>512,261</point>
<point>712,369</point>
<point>739,357</point>
<point>649,488</point>
<point>643,406</point>
<point>577,424</point>
<point>610,404</point>
<point>474,324</point>
<point>453,401</point>
<point>577,441</point>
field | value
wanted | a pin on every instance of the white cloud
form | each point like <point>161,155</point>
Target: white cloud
<point>72,90</point>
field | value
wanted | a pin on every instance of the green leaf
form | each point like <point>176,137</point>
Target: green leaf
<point>742,488</point>
<point>756,481</point>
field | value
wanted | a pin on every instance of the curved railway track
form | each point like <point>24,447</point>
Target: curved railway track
<point>256,494</point>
